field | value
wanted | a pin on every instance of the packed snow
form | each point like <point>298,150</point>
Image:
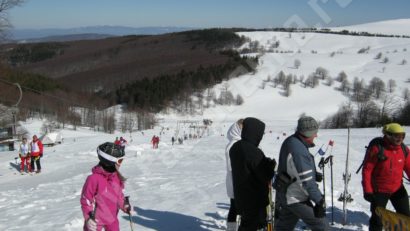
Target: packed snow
<point>182,187</point>
<point>388,27</point>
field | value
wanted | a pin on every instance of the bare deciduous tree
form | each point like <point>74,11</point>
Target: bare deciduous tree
<point>376,87</point>
<point>341,77</point>
<point>391,85</point>
<point>239,100</point>
<point>406,93</point>
<point>385,60</point>
<point>5,6</point>
<point>297,63</point>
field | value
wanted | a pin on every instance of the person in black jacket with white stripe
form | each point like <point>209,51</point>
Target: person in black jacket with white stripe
<point>251,173</point>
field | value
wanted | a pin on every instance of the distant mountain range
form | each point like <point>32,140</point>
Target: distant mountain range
<point>91,32</point>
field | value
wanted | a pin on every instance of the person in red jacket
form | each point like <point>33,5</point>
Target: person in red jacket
<point>36,149</point>
<point>382,178</point>
<point>117,141</point>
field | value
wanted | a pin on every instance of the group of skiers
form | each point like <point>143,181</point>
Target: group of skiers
<point>249,179</point>
<point>30,154</point>
<point>250,172</point>
<point>155,141</point>
<point>120,142</point>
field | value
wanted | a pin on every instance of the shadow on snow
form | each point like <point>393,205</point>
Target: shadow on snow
<point>356,220</point>
<point>14,165</point>
<point>165,220</point>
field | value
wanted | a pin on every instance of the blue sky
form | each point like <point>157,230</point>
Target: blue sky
<point>37,14</point>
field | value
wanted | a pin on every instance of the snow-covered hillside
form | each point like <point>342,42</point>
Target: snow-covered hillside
<point>335,53</point>
<point>389,27</point>
<point>182,187</point>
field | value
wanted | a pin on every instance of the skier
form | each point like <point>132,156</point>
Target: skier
<point>153,140</point>
<point>156,142</point>
<point>233,135</point>
<point>24,154</point>
<point>251,173</point>
<point>36,152</point>
<point>102,194</point>
<point>382,180</point>
<point>117,141</point>
<point>123,142</point>
<point>296,179</point>
<point>173,140</point>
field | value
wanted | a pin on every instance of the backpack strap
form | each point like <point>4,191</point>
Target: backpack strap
<point>380,155</point>
<point>404,147</point>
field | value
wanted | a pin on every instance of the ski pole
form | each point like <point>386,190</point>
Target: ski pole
<point>322,166</point>
<point>127,201</point>
<point>269,209</point>
<point>92,213</point>
<point>330,159</point>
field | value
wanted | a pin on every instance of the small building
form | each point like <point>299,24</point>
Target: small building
<point>52,138</point>
<point>6,139</point>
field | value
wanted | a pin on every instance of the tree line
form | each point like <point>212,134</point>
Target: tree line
<point>167,90</point>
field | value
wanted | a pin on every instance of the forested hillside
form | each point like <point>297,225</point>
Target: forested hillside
<point>147,73</point>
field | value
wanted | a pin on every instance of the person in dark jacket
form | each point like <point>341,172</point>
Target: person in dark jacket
<point>251,173</point>
<point>294,195</point>
<point>382,180</point>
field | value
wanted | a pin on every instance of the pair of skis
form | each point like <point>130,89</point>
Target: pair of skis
<point>346,197</point>
<point>270,209</point>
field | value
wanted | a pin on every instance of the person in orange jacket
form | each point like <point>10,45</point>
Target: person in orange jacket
<point>36,149</point>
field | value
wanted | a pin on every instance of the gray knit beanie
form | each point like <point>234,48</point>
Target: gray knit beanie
<point>307,126</point>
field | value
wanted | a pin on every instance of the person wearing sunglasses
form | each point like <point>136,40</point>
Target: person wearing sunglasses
<point>382,175</point>
<point>102,194</point>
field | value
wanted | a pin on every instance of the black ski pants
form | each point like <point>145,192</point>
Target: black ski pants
<point>232,214</point>
<point>399,200</point>
<point>37,160</point>
<point>252,220</point>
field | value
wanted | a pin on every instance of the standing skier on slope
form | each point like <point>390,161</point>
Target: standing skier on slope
<point>24,154</point>
<point>295,182</point>
<point>233,135</point>
<point>102,195</point>
<point>382,175</point>
<point>251,173</point>
<point>36,150</point>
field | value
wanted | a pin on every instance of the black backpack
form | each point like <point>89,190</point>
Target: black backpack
<point>380,155</point>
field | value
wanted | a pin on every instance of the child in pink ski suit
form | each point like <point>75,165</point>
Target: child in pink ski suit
<point>102,195</point>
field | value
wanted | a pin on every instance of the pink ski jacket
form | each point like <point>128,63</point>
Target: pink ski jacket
<point>104,190</point>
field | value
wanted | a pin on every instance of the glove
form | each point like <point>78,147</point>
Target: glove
<point>127,209</point>
<point>41,154</point>
<point>91,225</point>
<point>320,209</point>
<point>127,206</point>
<point>368,197</point>
<point>319,177</point>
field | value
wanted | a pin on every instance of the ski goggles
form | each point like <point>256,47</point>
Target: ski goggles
<point>110,158</point>
<point>397,135</point>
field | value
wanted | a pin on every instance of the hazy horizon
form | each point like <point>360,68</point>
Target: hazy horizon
<point>239,13</point>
